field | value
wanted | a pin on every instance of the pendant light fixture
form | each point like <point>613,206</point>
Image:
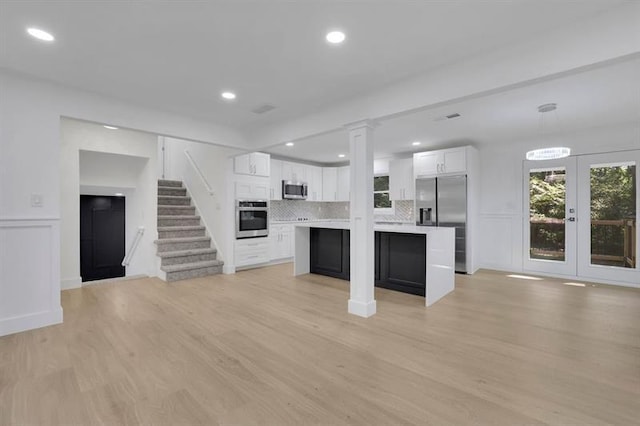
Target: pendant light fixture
<point>551,153</point>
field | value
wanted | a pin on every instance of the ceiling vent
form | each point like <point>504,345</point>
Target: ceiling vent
<point>447,117</point>
<point>263,108</point>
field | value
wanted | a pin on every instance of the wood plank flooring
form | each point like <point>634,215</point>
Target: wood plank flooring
<point>263,347</point>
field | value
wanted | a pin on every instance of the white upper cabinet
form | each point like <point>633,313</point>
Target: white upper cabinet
<point>255,164</point>
<point>295,172</point>
<point>276,180</point>
<point>329,184</point>
<point>314,180</point>
<point>442,162</point>
<point>344,184</point>
<point>401,181</point>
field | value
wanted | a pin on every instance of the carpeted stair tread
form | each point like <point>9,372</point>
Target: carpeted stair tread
<point>171,183</point>
<point>180,253</point>
<point>180,228</point>
<point>176,216</point>
<point>192,266</point>
<point>182,240</point>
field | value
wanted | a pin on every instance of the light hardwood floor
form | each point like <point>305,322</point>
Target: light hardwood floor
<point>263,347</point>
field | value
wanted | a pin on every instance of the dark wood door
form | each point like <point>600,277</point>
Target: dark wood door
<point>102,234</point>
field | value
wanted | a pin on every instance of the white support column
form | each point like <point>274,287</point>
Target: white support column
<point>362,301</point>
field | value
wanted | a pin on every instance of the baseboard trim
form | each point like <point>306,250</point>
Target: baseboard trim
<point>70,283</point>
<point>30,321</point>
<point>228,269</point>
<point>362,309</point>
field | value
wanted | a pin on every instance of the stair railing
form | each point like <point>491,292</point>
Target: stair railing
<point>134,246</point>
<point>199,172</point>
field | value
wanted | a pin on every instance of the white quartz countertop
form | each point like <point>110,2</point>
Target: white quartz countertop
<point>404,228</point>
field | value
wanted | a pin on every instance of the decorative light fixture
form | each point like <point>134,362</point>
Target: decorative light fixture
<point>416,143</point>
<point>40,34</point>
<point>110,127</point>
<point>336,37</point>
<point>228,95</point>
<point>289,144</point>
<point>551,153</point>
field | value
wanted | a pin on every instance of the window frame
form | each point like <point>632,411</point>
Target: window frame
<point>384,210</point>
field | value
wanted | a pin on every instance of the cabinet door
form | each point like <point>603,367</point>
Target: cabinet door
<point>426,163</point>
<point>260,163</point>
<point>286,243</point>
<point>454,161</point>
<point>242,164</point>
<point>275,191</point>
<point>314,180</point>
<point>401,182</point>
<point>274,243</point>
<point>260,191</point>
<point>329,183</point>
<point>244,191</point>
<point>344,184</point>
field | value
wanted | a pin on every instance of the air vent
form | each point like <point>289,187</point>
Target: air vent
<point>447,117</point>
<point>263,108</point>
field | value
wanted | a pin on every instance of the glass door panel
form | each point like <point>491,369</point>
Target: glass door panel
<point>547,200</point>
<point>550,207</point>
<point>609,196</point>
<point>613,215</point>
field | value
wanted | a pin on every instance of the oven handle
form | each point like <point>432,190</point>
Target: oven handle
<point>245,209</point>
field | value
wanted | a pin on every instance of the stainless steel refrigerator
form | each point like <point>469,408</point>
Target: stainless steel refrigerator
<point>442,201</point>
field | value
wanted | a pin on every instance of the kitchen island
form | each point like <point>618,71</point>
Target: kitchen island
<point>412,259</point>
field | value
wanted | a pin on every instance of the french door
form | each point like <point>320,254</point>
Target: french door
<point>581,217</point>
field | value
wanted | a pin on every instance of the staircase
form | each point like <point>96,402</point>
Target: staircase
<point>183,247</point>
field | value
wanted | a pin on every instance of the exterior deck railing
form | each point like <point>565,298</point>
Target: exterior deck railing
<point>613,242</point>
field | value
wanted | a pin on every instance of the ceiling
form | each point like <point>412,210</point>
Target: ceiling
<point>598,97</point>
<point>179,56</point>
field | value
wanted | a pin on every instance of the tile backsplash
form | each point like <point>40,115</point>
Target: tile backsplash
<point>293,209</point>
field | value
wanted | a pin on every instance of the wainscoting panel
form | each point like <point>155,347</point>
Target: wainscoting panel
<point>29,274</point>
<point>500,241</point>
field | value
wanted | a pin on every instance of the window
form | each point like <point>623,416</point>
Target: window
<point>381,201</point>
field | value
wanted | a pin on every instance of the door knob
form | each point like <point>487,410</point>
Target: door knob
<point>572,219</point>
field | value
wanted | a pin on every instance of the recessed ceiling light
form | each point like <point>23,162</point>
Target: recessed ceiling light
<point>110,127</point>
<point>416,143</point>
<point>341,155</point>
<point>40,34</point>
<point>289,144</point>
<point>228,95</point>
<point>335,37</point>
<point>119,194</point>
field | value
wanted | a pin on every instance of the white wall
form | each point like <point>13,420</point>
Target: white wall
<point>217,209</point>
<point>95,157</point>
<point>107,174</point>
<point>501,187</point>
<point>30,160</point>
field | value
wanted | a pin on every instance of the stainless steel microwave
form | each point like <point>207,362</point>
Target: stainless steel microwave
<point>294,190</point>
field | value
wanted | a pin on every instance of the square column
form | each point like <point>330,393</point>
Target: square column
<point>362,298</point>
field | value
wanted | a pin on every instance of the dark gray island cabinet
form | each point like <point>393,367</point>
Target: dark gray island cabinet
<point>415,260</point>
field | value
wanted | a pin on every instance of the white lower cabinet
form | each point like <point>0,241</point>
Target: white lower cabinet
<point>251,251</point>
<point>280,241</point>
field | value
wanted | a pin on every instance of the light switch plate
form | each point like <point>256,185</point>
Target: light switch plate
<point>37,200</point>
